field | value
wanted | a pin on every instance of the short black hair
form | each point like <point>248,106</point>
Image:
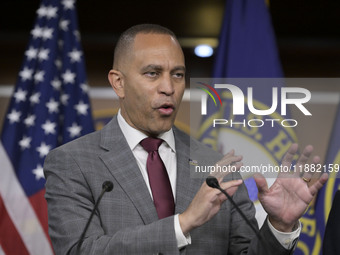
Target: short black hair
<point>128,36</point>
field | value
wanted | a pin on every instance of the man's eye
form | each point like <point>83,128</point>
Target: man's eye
<point>179,75</point>
<point>151,74</point>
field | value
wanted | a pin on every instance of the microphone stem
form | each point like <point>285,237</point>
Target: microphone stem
<point>89,221</point>
<point>239,210</point>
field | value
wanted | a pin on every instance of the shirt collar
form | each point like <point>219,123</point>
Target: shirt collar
<point>134,136</point>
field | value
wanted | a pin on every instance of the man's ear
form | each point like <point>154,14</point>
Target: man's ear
<point>117,83</point>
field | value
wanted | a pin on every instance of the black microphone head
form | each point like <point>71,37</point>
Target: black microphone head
<point>212,182</point>
<point>107,186</point>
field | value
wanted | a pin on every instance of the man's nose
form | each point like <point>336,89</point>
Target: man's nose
<point>166,85</point>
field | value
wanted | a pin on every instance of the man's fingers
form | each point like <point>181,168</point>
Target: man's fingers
<point>231,152</point>
<point>301,162</point>
<point>229,160</point>
<point>318,184</point>
<point>261,183</point>
<point>230,187</point>
<point>223,171</point>
<point>230,184</point>
<point>288,158</point>
<point>308,174</point>
<point>307,152</point>
<point>316,160</point>
<point>225,165</point>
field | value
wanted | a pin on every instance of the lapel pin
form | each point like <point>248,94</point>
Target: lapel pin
<point>193,162</point>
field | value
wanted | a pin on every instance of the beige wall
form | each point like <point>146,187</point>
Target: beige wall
<point>4,101</point>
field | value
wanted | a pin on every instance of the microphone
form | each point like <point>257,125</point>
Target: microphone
<point>106,187</point>
<point>212,182</point>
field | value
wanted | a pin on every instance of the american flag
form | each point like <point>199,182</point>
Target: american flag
<point>49,107</point>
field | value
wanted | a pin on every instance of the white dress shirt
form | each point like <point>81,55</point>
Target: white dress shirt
<point>167,152</point>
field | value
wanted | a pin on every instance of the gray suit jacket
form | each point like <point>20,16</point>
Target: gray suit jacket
<point>126,220</point>
<point>331,239</point>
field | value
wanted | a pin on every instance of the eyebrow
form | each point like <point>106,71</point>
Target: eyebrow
<point>153,67</point>
<point>179,68</point>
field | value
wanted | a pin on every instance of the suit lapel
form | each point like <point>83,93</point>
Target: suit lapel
<point>122,165</point>
<point>186,186</point>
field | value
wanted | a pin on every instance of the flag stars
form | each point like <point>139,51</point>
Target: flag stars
<point>43,149</point>
<point>49,127</point>
<point>81,108</point>
<point>75,55</point>
<point>20,95</point>
<point>50,70</point>
<point>58,63</point>
<point>26,74</point>
<point>39,76</point>
<point>64,98</point>
<point>47,11</point>
<point>43,54</point>
<point>68,4</point>
<point>84,87</point>
<point>68,76</point>
<point>52,106</point>
<point>37,32</point>
<point>41,11</point>
<point>56,84</point>
<point>38,172</point>
<point>51,12</point>
<point>34,99</point>
<point>42,32</point>
<point>63,24</point>
<point>77,34</point>
<point>74,130</point>
<point>31,53</point>
<point>25,143</point>
<point>47,33</point>
<point>14,116</point>
<point>29,121</point>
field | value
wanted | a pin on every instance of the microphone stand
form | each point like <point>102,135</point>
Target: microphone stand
<point>213,183</point>
<point>107,187</point>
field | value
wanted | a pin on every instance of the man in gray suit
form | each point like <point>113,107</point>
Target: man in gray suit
<point>148,76</point>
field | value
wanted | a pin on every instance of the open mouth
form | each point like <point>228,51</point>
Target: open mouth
<point>166,109</point>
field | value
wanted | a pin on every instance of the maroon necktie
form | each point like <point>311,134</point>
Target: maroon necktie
<point>158,179</point>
